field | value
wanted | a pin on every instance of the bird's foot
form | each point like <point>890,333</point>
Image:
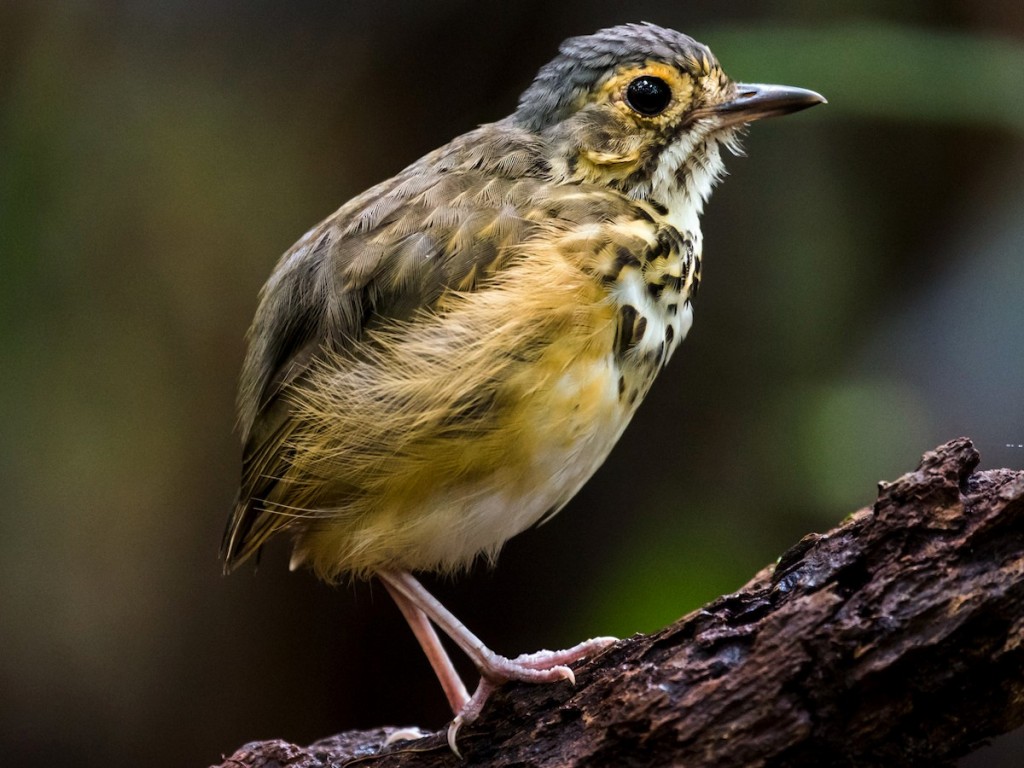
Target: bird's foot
<point>538,667</point>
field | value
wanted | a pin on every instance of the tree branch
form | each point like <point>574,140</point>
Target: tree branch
<point>894,639</point>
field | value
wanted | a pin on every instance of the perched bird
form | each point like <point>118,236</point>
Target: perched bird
<point>445,360</point>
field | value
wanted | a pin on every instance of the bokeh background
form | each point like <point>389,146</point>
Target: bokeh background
<point>863,301</point>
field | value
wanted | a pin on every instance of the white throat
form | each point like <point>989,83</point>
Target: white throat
<point>687,171</point>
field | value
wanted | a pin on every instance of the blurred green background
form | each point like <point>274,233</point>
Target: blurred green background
<point>863,301</point>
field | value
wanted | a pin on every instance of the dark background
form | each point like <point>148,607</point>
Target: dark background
<point>862,302</point>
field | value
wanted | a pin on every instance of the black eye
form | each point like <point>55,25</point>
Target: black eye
<point>648,95</point>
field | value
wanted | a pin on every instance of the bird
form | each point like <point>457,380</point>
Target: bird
<point>445,360</point>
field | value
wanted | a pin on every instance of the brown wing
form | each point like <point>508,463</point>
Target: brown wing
<point>447,221</point>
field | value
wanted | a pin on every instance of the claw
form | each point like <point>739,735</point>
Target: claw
<point>570,676</point>
<point>453,732</point>
<point>405,734</point>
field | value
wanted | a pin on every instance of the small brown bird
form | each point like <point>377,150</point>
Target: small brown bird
<point>444,361</point>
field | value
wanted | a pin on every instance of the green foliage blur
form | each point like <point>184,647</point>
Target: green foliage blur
<point>862,302</point>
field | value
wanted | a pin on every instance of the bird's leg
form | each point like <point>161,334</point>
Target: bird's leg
<point>454,689</point>
<point>540,667</point>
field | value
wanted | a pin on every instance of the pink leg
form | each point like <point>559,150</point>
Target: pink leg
<point>452,684</point>
<point>540,667</point>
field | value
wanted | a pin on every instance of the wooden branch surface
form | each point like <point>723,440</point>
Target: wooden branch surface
<point>894,639</point>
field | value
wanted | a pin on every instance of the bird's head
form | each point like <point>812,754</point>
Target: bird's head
<point>645,109</point>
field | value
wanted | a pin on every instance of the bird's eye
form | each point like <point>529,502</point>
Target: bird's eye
<point>648,95</point>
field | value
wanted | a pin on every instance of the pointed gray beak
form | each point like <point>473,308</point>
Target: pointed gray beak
<point>754,101</point>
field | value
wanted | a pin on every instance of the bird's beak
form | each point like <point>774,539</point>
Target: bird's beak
<point>753,102</point>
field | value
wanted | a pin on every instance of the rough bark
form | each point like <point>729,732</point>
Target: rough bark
<point>894,639</point>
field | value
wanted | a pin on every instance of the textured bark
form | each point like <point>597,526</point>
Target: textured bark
<point>894,639</point>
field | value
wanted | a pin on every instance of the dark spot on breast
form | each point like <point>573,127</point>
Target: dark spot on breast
<point>633,396</point>
<point>670,334</point>
<point>623,258</point>
<point>657,206</point>
<point>624,336</point>
<point>655,289</point>
<point>672,308</point>
<point>643,215</point>
<point>622,386</point>
<point>631,329</point>
<point>668,239</point>
<point>639,329</point>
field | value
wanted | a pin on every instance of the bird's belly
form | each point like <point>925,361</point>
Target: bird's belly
<point>554,436</point>
<point>566,431</point>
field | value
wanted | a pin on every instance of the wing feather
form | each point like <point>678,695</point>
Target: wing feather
<point>443,223</point>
